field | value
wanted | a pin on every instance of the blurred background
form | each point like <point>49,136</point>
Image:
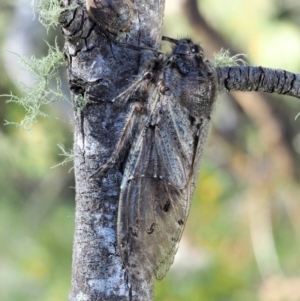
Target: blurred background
<point>242,237</point>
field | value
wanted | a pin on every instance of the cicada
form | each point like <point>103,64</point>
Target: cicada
<point>165,134</point>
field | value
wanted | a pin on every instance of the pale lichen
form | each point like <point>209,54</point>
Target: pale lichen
<point>69,156</point>
<point>223,58</point>
<point>43,70</point>
<point>48,11</point>
<point>81,102</point>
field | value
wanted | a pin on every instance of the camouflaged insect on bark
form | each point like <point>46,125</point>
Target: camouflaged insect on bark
<point>166,129</point>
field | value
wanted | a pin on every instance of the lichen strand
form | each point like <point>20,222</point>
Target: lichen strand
<point>43,71</point>
<point>68,154</point>
<point>49,11</point>
<point>223,58</point>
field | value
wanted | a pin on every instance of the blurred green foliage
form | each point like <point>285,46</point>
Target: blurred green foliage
<point>241,241</point>
<point>36,202</point>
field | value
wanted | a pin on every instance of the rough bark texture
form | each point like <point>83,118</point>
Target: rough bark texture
<point>248,78</point>
<point>99,69</point>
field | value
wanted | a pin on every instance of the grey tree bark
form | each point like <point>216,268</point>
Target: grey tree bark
<point>99,69</point>
<point>258,79</point>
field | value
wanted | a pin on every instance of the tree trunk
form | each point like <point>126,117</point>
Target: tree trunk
<point>98,70</point>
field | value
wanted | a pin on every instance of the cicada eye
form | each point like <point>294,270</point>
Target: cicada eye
<point>196,49</point>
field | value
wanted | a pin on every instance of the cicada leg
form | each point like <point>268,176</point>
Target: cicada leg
<point>136,110</point>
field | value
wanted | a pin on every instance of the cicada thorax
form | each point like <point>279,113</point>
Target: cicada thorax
<point>191,78</point>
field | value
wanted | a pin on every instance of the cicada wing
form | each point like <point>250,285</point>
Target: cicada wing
<point>171,216</point>
<point>156,190</point>
<point>154,204</point>
<point>151,220</point>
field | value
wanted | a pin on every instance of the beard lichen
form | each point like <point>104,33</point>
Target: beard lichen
<point>223,58</point>
<point>44,70</point>
<point>49,11</point>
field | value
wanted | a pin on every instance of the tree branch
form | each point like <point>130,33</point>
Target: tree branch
<point>259,79</point>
